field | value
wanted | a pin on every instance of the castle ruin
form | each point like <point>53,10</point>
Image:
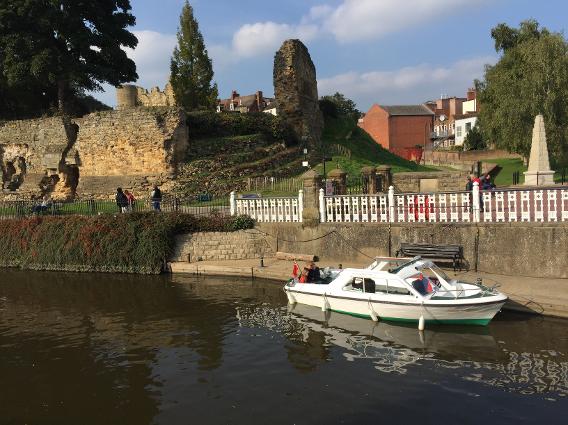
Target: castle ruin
<point>131,96</point>
<point>296,92</point>
<point>92,155</point>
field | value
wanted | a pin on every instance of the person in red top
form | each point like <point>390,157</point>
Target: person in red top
<point>131,199</point>
<point>304,276</point>
<point>295,270</point>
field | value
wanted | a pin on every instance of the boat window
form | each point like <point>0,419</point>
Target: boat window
<point>391,286</point>
<point>369,285</point>
<point>354,284</point>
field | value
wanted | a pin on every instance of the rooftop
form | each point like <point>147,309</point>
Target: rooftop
<point>407,109</point>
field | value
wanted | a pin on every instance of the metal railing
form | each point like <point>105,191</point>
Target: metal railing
<point>23,208</point>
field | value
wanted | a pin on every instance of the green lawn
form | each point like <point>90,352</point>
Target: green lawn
<point>364,150</point>
<point>511,165</point>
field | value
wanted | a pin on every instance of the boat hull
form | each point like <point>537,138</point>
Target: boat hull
<point>472,313</point>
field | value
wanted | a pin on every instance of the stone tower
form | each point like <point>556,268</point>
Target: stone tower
<point>296,92</point>
<point>126,96</point>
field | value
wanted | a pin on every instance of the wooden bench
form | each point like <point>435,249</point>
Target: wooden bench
<point>454,253</point>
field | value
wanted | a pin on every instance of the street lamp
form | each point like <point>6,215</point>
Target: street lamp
<point>305,162</point>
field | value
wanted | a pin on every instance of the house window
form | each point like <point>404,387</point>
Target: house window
<point>459,131</point>
<point>467,127</point>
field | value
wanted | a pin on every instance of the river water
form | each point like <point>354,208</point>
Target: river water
<point>119,349</point>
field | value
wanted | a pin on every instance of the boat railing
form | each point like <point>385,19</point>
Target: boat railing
<point>459,292</point>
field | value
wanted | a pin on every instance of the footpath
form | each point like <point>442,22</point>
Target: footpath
<point>526,294</point>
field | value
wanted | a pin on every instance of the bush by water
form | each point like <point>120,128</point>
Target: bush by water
<point>127,243</point>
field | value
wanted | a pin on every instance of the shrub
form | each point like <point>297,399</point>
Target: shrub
<point>212,124</point>
<point>129,243</point>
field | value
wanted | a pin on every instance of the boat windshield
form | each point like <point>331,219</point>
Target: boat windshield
<point>440,272</point>
<point>402,266</point>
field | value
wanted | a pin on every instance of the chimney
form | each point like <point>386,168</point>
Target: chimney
<point>471,94</point>
<point>234,95</point>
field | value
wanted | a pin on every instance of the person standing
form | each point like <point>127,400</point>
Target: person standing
<point>469,184</point>
<point>131,199</point>
<point>156,198</point>
<point>121,200</point>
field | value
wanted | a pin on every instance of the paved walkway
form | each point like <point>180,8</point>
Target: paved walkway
<point>528,294</point>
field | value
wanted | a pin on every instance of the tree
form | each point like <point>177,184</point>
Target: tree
<point>191,69</point>
<point>530,78</point>
<point>70,45</point>
<point>338,105</point>
<point>474,140</point>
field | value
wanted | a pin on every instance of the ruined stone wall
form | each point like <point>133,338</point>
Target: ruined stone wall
<point>40,142</point>
<point>133,148</point>
<point>296,91</point>
<point>142,141</point>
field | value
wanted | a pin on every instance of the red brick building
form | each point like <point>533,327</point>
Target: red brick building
<point>399,128</point>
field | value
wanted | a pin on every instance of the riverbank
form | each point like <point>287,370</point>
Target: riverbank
<point>526,294</point>
<point>119,243</point>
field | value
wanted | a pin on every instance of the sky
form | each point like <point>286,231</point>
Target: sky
<point>373,51</point>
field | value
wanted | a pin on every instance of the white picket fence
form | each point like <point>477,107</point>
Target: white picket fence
<point>280,209</point>
<point>494,206</point>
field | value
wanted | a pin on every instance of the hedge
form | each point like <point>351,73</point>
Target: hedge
<point>125,243</point>
<point>206,124</point>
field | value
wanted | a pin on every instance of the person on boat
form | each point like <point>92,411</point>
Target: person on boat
<point>422,285</point>
<point>304,275</point>
<point>313,273</point>
<point>295,270</point>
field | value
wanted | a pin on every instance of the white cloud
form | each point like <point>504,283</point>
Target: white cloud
<point>265,37</point>
<point>152,57</point>
<point>413,84</point>
<point>355,20</point>
<point>350,21</point>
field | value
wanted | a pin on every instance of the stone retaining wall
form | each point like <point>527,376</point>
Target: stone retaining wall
<point>523,249</point>
<point>207,246</point>
<point>429,181</point>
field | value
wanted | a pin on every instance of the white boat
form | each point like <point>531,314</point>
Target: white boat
<point>411,290</point>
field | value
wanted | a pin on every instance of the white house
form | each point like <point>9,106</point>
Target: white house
<point>463,126</point>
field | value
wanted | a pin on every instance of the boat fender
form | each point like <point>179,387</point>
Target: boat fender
<point>291,298</point>
<point>325,304</point>
<point>421,323</point>
<point>422,337</point>
<point>372,313</point>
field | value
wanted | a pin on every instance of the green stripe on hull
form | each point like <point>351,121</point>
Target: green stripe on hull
<point>478,322</point>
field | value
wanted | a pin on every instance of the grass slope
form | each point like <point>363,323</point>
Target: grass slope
<point>364,150</point>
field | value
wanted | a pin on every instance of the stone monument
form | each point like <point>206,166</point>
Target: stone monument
<point>539,172</point>
<point>296,92</point>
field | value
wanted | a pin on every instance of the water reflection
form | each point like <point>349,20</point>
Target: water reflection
<point>518,353</point>
<point>88,348</point>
